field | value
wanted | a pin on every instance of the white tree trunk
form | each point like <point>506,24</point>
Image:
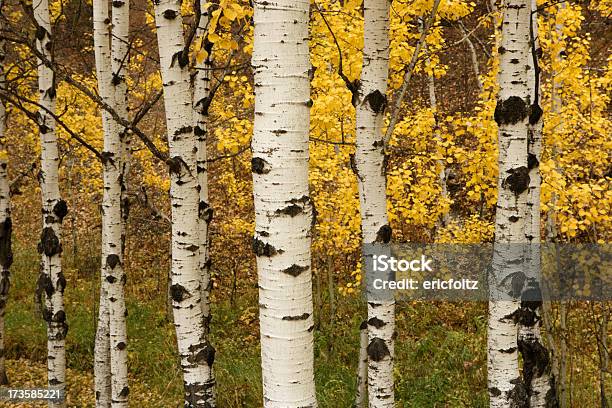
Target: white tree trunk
<point>536,357</point>
<point>113,208</point>
<point>196,355</point>
<point>201,103</point>
<point>362,367</point>
<point>370,169</point>
<point>102,367</point>
<point>283,209</point>
<point>6,225</point>
<point>51,282</point>
<point>511,114</point>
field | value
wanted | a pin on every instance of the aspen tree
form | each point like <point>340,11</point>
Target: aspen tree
<point>512,115</point>
<point>201,103</point>
<point>196,354</point>
<point>536,357</point>
<point>370,169</point>
<point>102,368</point>
<point>362,367</point>
<point>283,209</point>
<point>6,226</point>
<point>114,206</point>
<point>51,282</point>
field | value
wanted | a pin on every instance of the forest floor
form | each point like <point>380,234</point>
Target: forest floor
<point>440,348</point>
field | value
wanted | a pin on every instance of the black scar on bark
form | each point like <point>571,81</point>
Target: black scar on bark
<point>377,349</point>
<point>182,130</point>
<point>117,3</point>
<point>125,206</point>
<point>522,316</point>
<point>536,360</point>
<point>116,79</point>
<point>40,33</point>
<point>121,345</point>
<point>178,293</point>
<point>377,101</point>
<point>5,285</point>
<point>44,284</point>
<point>510,111</point>
<point>518,180</point>
<point>513,218</point>
<point>295,270</point>
<point>198,131</point>
<point>303,316</point>
<point>61,282</point>
<point>259,166</point>
<point>508,350</point>
<point>193,393</point>
<point>47,315</point>
<point>551,395</point>
<point>59,317</point>
<point>518,396</point>
<point>112,261</point>
<point>363,325</point>
<point>97,395</point>
<point>125,391</point>
<point>111,279</point>
<point>205,211</point>
<point>291,210</point>
<point>44,129</point>
<point>60,209</point>
<point>174,164</point>
<point>532,161</point>
<point>6,233</point>
<point>205,354</point>
<point>531,298</point>
<point>51,92</point>
<point>535,113</point>
<point>384,234</point>
<point>107,157</point>
<point>261,248</point>
<point>376,322</point>
<point>170,14</point>
<point>49,243</point>
<point>54,381</point>
<point>181,58</point>
<point>494,391</point>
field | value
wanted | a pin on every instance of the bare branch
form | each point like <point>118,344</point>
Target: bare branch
<point>408,74</point>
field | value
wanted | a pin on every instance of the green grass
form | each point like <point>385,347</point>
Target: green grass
<point>440,358</point>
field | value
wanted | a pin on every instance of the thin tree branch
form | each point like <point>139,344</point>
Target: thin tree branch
<point>35,117</point>
<point>408,74</point>
<point>352,86</point>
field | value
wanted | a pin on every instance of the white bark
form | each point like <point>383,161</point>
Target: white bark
<point>370,169</point>
<point>196,355</point>
<point>536,357</point>
<point>511,114</point>
<point>113,205</point>
<point>51,282</point>
<point>6,229</point>
<point>201,103</point>
<point>283,209</point>
<point>102,365</point>
<point>362,367</point>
